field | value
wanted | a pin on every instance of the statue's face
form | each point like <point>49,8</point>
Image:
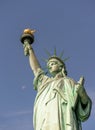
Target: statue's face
<point>53,66</point>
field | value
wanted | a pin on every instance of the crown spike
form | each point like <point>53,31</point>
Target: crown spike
<point>55,53</point>
<point>66,59</point>
<point>48,53</point>
<point>45,60</point>
<point>61,55</point>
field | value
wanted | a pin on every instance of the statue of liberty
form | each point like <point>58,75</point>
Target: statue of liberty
<point>61,103</point>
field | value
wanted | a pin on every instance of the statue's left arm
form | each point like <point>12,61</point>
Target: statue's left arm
<point>82,92</point>
<point>84,105</point>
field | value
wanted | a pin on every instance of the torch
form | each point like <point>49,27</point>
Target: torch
<point>27,38</point>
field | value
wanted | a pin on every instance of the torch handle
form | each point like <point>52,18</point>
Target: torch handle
<point>27,46</point>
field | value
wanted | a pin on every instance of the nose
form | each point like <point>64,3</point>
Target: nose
<point>49,67</point>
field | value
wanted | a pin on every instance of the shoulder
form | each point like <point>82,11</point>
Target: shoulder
<point>40,78</point>
<point>70,80</point>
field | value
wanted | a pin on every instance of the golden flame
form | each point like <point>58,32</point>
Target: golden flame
<point>29,31</point>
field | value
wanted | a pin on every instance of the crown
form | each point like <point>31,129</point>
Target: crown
<point>54,56</point>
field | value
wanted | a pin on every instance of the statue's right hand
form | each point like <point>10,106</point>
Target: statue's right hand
<point>27,47</point>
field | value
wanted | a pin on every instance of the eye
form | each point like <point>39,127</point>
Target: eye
<point>52,64</point>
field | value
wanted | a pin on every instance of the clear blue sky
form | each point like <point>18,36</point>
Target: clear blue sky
<point>68,25</point>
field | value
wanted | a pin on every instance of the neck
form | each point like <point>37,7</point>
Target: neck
<point>59,75</point>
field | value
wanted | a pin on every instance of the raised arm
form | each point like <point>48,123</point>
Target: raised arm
<point>27,39</point>
<point>34,64</point>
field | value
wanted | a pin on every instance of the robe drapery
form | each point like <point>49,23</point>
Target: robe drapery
<point>57,105</point>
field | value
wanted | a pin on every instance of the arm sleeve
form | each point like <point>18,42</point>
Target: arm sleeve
<point>83,113</point>
<point>39,79</point>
